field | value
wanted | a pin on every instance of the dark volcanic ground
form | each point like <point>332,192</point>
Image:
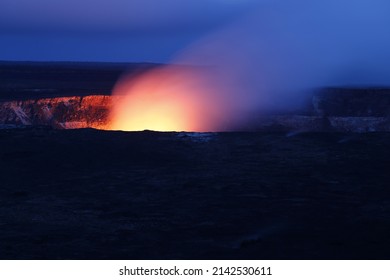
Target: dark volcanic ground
<point>88,194</point>
<point>27,80</point>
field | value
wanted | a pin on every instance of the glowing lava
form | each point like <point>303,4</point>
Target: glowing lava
<point>173,98</point>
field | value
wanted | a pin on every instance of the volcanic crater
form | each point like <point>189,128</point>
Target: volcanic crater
<point>69,96</point>
<point>303,185</point>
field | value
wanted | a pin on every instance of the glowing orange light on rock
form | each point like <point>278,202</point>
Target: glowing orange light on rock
<point>169,99</point>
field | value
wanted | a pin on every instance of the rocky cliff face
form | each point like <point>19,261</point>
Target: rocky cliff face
<point>327,110</point>
<point>344,102</point>
<point>356,110</point>
<point>60,112</point>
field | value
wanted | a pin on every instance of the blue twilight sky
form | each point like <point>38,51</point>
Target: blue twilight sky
<point>109,30</point>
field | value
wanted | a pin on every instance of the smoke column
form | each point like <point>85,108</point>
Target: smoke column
<point>265,61</point>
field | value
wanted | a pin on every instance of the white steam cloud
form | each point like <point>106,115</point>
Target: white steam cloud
<point>272,57</point>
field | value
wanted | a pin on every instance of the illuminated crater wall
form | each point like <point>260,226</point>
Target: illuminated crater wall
<point>347,110</point>
<point>58,112</point>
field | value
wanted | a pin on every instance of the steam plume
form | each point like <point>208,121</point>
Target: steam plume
<point>265,61</point>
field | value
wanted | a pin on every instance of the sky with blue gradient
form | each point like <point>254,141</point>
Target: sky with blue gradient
<point>111,30</point>
<point>287,43</point>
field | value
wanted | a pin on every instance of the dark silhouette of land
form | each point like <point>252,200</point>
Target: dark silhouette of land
<point>88,194</point>
<point>91,194</point>
<point>26,80</point>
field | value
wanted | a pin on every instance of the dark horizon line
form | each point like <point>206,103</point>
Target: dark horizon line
<point>3,61</point>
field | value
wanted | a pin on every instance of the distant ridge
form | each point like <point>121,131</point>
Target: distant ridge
<point>32,79</point>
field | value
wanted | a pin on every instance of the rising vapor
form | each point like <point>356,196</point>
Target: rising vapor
<point>267,60</point>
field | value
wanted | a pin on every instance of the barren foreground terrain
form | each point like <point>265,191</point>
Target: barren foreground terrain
<point>89,194</point>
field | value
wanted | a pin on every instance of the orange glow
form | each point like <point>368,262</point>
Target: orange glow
<point>173,98</point>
